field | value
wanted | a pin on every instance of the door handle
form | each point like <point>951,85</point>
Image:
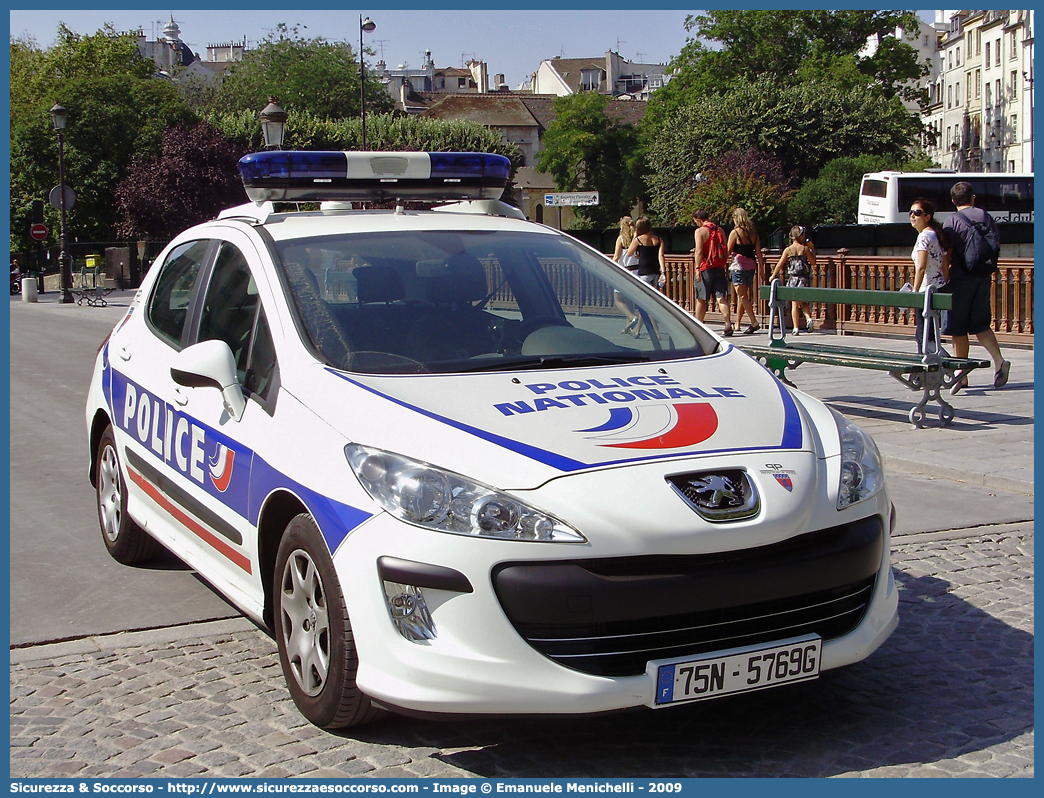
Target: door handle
<point>180,396</point>
<point>124,353</point>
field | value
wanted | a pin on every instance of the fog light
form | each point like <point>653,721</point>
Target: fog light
<point>409,611</point>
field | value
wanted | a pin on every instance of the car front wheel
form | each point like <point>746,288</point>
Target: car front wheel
<point>313,632</point>
<point>127,542</point>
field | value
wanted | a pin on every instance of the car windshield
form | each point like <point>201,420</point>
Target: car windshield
<point>452,301</point>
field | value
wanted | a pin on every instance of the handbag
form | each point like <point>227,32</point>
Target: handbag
<point>629,262</point>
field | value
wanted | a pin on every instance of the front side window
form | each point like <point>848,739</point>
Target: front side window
<point>169,303</point>
<point>230,305</point>
<point>456,301</point>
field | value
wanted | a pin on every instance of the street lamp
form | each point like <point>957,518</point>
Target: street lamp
<point>273,124</point>
<point>368,26</point>
<point>58,119</point>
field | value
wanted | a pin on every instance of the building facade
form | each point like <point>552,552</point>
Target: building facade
<point>980,114</point>
<point>608,74</point>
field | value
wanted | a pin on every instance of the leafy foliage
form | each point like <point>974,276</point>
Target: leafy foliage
<point>742,178</point>
<point>115,110</point>
<point>191,180</point>
<point>585,150</point>
<point>833,196</point>
<point>307,75</point>
<point>803,127</point>
<point>792,47</point>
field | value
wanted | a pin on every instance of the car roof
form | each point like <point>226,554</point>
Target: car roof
<point>308,224</point>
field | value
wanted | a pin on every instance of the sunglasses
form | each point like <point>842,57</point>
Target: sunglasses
<point>917,212</point>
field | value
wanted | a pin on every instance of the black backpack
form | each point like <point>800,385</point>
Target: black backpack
<point>981,246</point>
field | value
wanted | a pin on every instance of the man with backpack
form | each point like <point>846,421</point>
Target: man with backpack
<point>712,279</point>
<point>974,246</point>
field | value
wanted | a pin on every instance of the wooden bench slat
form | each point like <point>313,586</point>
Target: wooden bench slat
<point>867,361</point>
<point>946,361</point>
<point>855,296</point>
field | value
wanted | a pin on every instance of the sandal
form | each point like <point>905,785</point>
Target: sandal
<point>630,324</point>
<point>959,386</point>
<point>1000,379</point>
<point>728,332</point>
<point>751,329</point>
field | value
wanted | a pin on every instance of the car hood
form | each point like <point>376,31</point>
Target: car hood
<point>517,430</point>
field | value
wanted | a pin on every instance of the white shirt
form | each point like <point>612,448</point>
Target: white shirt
<point>928,241</point>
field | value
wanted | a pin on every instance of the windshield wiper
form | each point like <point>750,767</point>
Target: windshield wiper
<point>555,361</point>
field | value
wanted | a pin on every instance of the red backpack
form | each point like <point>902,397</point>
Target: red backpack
<point>715,249</point>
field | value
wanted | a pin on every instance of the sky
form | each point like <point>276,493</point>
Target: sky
<point>512,43</point>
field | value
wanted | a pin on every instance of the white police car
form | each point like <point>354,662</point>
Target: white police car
<point>418,446</point>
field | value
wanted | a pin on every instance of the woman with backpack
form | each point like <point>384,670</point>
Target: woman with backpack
<point>800,259</point>
<point>744,249</point>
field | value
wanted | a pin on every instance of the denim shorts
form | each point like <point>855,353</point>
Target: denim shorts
<point>743,277</point>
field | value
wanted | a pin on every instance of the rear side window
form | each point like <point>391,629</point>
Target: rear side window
<point>874,188</point>
<point>169,304</point>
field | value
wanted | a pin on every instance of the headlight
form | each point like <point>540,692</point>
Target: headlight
<point>429,497</point>
<point>861,473</point>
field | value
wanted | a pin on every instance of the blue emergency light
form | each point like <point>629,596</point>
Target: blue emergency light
<point>373,176</point>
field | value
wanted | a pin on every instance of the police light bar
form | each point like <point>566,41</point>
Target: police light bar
<point>316,176</point>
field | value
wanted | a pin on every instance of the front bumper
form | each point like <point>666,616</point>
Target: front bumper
<point>481,661</point>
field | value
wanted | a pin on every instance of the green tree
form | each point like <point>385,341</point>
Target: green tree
<point>115,110</point>
<point>804,127</point>
<point>585,150</point>
<point>742,178</point>
<point>307,75</point>
<point>832,197</point>
<point>732,47</point>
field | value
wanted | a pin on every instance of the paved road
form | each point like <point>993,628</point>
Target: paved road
<point>951,693</point>
<point>63,583</point>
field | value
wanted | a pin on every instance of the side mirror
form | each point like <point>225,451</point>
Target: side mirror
<point>210,364</point>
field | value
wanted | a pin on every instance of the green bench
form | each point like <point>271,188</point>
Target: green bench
<point>928,373</point>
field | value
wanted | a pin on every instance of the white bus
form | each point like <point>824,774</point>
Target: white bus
<point>885,197</point>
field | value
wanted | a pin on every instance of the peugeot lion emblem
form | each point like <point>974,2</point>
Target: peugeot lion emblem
<point>718,496</point>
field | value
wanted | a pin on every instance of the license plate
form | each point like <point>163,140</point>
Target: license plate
<point>750,669</point>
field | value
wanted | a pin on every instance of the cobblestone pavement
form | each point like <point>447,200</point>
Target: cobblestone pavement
<point>949,694</point>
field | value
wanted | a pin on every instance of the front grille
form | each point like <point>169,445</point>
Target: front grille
<point>623,649</point>
<point>611,617</point>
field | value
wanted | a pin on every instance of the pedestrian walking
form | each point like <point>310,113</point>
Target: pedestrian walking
<point>630,263</point>
<point>648,247</point>
<point>974,249</point>
<point>710,255</point>
<point>930,267</point>
<point>799,259</point>
<point>744,249</point>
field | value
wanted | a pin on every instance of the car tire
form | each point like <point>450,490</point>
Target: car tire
<point>127,542</point>
<point>313,632</point>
